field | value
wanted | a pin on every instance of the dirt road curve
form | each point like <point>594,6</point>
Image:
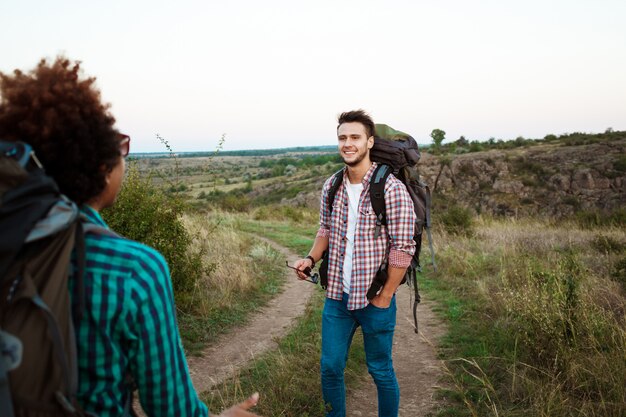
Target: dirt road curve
<point>234,349</point>
<point>417,367</point>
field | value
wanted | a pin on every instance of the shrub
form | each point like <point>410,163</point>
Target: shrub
<point>619,273</point>
<point>620,164</point>
<point>146,214</point>
<point>235,202</point>
<point>601,218</point>
<point>458,220</point>
<point>608,244</point>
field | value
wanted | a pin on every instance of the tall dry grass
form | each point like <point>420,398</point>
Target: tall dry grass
<point>239,275</point>
<point>230,259</point>
<point>546,316</point>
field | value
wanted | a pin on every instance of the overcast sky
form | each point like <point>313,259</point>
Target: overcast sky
<point>276,73</point>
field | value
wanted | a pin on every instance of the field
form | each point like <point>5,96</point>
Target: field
<point>535,306</point>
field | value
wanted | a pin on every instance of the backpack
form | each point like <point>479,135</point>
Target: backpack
<point>41,231</point>
<point>396,153</point>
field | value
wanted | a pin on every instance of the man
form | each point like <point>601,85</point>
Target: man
<point>129,321</point>
<point>356,252</point>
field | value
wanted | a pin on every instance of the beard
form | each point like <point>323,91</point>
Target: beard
<point>358,157</point>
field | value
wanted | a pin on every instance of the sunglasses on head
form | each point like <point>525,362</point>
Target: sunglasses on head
<point>124,144</point>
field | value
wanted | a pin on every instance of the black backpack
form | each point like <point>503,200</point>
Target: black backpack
<point>41,229</point>
<point>396,153</point>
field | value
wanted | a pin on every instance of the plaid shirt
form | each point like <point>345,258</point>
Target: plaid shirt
<point>395,242</point>
<point>129,325</point>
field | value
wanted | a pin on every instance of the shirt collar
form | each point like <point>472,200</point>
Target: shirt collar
<point>92,215</point>
<point>366,178</point>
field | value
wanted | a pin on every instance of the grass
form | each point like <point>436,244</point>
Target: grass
<point>537,325</point>
<point>536,315</point>
<point>287,378</point>
<point>226,296</point>
<point>296,236</point>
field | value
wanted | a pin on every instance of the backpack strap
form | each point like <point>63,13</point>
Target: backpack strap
<point>428,228</point>
<point>336,182</point>
<point>377,195</point>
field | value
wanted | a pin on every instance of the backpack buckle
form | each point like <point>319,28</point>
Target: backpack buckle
<point>10,350</point>
<point>379,223</point>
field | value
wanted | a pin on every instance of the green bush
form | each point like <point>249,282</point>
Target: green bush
<point>143,212</point>
<point>601,218</point>
<point>620,164</point>
<point>619,273</point>
<point>458,220</point>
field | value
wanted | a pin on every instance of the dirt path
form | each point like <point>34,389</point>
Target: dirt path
<point>234,349</point>
<point>417,367</point>
<point>271,323</point>
<point>415,360</point>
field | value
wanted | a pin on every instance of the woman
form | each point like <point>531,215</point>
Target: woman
<point>129,325</point>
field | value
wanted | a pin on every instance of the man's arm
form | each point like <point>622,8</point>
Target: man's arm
<point>321,239</point>
<point>394,278</point>
<point>319,247</point>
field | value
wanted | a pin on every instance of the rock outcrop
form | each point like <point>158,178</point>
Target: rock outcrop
<point>546,179</point>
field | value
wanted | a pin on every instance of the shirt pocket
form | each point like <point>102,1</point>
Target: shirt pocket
<point>367,223</point>
<point>335,215</point>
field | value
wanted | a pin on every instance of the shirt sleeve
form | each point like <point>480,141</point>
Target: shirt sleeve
<point>157,362</point>
<point>400,224</point>
<point>324,229</point>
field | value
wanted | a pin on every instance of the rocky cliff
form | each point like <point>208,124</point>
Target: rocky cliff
<point>551,179</point>
<point>547,179</point>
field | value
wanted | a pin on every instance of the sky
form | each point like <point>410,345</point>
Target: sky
<point>276,73</point>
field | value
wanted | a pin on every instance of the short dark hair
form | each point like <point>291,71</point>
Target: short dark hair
<point>359,116</point>
<point>60,114</point>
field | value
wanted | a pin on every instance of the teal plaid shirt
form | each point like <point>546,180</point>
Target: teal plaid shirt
<point>129,327</point>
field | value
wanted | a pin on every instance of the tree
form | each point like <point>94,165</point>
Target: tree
<point>438,136</point>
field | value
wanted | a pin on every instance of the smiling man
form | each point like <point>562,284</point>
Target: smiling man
<point>357,250</point>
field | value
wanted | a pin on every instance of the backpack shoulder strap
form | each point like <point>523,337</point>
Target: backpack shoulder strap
<point>377,195</point>
<point>337,180</point>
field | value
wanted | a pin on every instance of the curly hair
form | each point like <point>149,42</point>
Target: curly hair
<point>62,117</point>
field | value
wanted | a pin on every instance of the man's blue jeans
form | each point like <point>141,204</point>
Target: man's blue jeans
<point>338,327</point>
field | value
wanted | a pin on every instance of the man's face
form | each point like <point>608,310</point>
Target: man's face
<point>354,144</point>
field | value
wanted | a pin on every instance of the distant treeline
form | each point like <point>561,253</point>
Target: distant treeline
<point>460,145</point>
<point>307,160</point>
<point>249,152</point>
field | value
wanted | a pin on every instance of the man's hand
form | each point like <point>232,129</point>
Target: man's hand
<point>381,300</point>
<point>239,410</point>
<point>301,265</point>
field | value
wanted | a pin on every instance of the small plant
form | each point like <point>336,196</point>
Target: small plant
<point>458,220</point>
<point>620,164</point>
<point>608,244</point>
<point>619,272</point>
<point>601,218</point>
